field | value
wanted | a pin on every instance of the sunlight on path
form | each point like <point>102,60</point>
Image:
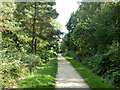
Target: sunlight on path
<point>66,76</point>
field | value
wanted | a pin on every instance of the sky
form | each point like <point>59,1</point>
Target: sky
<point>65,8</point>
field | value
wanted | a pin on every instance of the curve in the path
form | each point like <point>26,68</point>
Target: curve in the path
<point>66,76</point>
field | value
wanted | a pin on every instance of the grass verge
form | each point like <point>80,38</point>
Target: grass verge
<point>92,80</point>
<point>43,77</point>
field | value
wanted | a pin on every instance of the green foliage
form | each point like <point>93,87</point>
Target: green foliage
<point>18,28</point>
<point>88,76</point>
<point>63,47</point>
<point>106,65</point>
<point>8,23</point>
<point>43,77</point>
<point>91,29</point>
<point>18,21</point>
<point>38,18</point>
<point>94,37</point>
<point>18,65</point>
<point>70,54</point>
<point>46,56</point>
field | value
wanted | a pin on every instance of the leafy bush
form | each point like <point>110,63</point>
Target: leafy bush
<point>47,55</point>
<point>106,65</point>
<point>17,65</point>
<point>70,53</point>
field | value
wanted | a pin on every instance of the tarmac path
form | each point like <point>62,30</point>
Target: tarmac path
<point>66,76</point>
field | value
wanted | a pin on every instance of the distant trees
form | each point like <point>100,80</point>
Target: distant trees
<point>94,31</point>
<point>30,37</point>
<point>93,27</point>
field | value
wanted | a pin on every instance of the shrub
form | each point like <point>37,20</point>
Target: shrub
<point>18,65</point>
<point>70,53</point>
<point>106,65</point>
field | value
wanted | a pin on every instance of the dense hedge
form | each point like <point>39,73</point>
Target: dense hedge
<point>106,65</point>
<point>93,38</point>
<point>18,65</point>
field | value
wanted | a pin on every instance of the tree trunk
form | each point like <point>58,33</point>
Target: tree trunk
<point>119,30</point>
<point>35,45</point>
<point>119,40</point>
<point>34,19</point>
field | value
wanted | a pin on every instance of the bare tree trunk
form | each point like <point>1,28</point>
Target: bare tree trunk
<point>34,19</point>
<point>35,45</point>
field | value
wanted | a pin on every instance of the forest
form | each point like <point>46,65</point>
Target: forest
<point>93,38</point>
<point>30,36</point>
<point>30,42</point>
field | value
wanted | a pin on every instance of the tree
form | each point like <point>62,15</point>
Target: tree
<point>39,16</point>
<point>94,34</point>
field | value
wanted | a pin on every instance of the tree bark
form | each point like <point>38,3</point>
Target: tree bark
<point>118,29</point>
<point>33,41</point>
<point>35,45</point>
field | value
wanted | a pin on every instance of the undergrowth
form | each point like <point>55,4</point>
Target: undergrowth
<point>16,66</point>
<point>42,77</point>
<point>90,78</point>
